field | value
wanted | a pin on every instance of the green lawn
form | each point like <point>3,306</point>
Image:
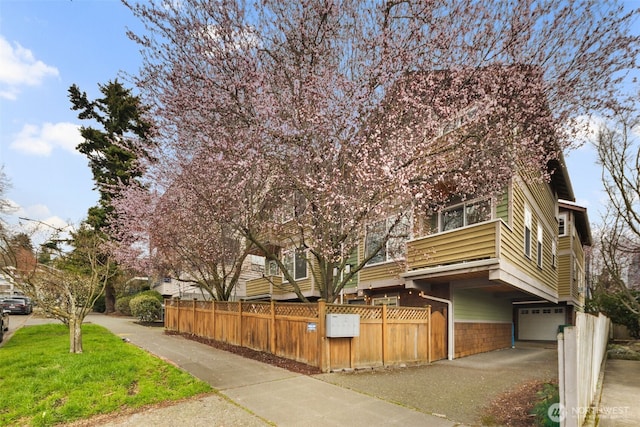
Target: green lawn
<point>42,384</point>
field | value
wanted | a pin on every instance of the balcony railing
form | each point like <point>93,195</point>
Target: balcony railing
<point>471,243</point>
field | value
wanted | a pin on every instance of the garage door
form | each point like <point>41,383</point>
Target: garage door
<point>540,323</point>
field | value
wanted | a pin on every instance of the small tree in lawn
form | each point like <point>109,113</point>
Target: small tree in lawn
<point>348,107</point>
<point>67,287</point>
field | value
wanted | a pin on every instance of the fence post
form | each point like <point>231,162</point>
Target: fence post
<point>384,334</point>
<point>322,337</point>
<point>178,316</point>
<point>240,322</point>
<point>429,338</point>
<point>571,405</point>
<point>193,317</point>
<point>561,375</point>
<point>213,319</point>
<point>272,326</point>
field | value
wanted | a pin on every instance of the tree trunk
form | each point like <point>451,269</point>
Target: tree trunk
<point>75,335</point>
<point>109,299</point>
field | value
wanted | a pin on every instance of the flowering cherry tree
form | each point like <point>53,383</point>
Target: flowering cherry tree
<point>345,112</point>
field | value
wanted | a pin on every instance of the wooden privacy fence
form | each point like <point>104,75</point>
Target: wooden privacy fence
<point>387,335</point>
<point>581,351</point>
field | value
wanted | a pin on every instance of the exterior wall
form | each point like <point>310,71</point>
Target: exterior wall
<point>472,338</point>
<point>482,322</point>
<point>541,202</point>
<point>571,264</point>
<point>477,305</point>
<point>381,275</point>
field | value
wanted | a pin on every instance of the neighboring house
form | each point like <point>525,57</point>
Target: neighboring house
<point>633,275</point>
<point>6,286</point>
<point>169,287</point>
<point>499,269</point>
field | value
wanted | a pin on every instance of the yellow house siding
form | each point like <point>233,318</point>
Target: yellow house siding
<point>571,269</point>
<point>260,286</point>
<point>381,272</point>
<point>470,243</point>
<point>532,195</point>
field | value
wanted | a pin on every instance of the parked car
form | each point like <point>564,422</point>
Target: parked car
<point>4,323</point>
<point>26,300</point>
<point>15,305</point>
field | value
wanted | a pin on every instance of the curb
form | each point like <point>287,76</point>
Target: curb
<point>592,418</point>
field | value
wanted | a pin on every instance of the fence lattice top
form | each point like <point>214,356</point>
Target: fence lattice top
<point>306,310</point>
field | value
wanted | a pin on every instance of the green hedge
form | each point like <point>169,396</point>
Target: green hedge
<point>122,305</point>
<point>146,308</point>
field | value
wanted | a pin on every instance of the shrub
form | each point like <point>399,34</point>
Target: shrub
<point>146,308</point>
<point>122,305</point>
<point>100,306</point>
<point>548,396</point>
<point>154,294</point>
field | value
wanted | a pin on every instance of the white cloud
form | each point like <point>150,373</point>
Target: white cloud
<point>38,223</point>
<point>35,212</point>
<point>20,68</point>
<point>40,141</point>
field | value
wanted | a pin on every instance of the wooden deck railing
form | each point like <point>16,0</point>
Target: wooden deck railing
<point>476,242</point>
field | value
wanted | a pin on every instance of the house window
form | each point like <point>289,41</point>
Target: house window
<point>296,264</point>
<point>562,225</point>
<point>271,268</point>
<point>390,301</point>
<point>554,253</point>
<point>527,232</point>
<point>394,247</point>
<point>293,207</point>
<point>465,214</point>
<point>539,247</point>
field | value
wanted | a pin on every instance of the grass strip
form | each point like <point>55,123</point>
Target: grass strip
<point>43,384</point>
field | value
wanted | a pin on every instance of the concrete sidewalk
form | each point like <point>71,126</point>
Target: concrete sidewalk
<point>251,392</point>
<point>620,396</point>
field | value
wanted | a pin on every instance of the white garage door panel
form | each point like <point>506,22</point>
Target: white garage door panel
<point>540,323</point>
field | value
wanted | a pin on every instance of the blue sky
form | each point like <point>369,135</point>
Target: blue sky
<point>48,45</point>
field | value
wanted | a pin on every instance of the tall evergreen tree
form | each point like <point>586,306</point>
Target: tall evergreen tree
<point>113,156</point>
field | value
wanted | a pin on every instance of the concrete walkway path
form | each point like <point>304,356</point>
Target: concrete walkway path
<point>269,395</point>
<point>620,400</point>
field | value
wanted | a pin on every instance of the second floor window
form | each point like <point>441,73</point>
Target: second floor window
<point>296,264</point>
<point>527,232</point>
<point>394,248</point>
<point>562,225</point>
<point>539,247</point>
<point>465,214</point>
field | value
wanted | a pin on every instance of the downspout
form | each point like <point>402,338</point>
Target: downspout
<point>450,337</point>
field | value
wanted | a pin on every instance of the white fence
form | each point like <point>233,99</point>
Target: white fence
<point>581,351</point>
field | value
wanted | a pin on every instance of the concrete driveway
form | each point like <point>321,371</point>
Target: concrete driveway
<point>458,389</point>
